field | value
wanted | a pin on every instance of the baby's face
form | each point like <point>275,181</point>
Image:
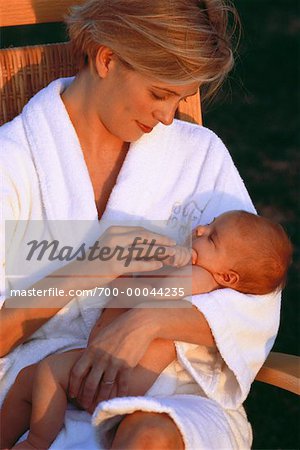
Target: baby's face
<point>212,243</point>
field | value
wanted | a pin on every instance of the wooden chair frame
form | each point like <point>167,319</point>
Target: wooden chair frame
<point>24,71</point>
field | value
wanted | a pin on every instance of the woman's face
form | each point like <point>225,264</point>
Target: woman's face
<point>130,105</point>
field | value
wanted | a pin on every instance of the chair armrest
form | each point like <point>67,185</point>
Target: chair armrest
<point>281,370</point>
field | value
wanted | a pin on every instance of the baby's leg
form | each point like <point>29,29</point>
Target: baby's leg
<point>16,409</point>
<point>49,399</point>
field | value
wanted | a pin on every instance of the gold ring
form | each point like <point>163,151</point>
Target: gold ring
<point>108,382</point>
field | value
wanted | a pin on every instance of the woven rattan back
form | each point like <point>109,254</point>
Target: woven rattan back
<point>27,12</point>
<point>24,71</point>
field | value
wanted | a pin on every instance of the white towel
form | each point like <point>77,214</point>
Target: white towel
<point>182,175</point>
<point>203,425</point>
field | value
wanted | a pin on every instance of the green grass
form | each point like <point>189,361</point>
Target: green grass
<point>256,116</point>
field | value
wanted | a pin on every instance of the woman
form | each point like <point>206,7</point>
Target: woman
<point>98,146</point>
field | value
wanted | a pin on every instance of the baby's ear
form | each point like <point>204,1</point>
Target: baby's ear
<point>228,279</point>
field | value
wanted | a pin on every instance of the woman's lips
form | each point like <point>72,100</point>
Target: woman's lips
<point>144,128</point>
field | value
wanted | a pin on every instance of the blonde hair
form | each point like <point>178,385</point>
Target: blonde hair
<point>262,263</point>
<point>174,41</point>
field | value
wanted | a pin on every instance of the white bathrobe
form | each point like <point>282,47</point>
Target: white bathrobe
<point>183,175</point>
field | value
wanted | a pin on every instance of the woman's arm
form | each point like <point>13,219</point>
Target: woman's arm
<point>159,354</point>
<point>20,317</point>
<point>107,316</point>
<point>18,323</point>
<point>119,347</point>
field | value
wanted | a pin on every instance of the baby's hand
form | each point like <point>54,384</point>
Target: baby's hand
<point>182,256</point>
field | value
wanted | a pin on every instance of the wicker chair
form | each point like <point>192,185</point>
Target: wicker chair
<point>24,71</point>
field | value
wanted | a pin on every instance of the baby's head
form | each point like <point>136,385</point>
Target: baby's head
<point>243,251</point>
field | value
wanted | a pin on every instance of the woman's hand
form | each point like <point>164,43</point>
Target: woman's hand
<point>122,250</point>
<point>104,369</point>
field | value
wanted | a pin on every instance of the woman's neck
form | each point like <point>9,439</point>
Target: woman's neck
<point>79,101</point>
<point>104,153</point>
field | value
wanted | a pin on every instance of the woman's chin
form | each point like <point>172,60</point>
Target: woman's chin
<point>132,137</point>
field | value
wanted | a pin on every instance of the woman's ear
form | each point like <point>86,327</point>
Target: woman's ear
<point>227,279</point>
<point>102,61</point>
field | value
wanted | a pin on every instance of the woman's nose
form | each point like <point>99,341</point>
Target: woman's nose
<point>165,115</point>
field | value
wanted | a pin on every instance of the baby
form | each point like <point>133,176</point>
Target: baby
<point>238,250</point>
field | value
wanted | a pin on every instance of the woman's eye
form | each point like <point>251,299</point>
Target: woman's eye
<point>157,97</point>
